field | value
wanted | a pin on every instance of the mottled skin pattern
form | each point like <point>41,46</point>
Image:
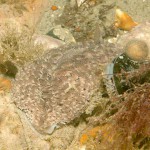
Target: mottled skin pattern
<point>57,88</point>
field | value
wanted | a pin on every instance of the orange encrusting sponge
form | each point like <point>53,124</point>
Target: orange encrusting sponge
<point>124,21</point>
<point>5,85</point>
<point>92,133</point>
<point>106,132</point>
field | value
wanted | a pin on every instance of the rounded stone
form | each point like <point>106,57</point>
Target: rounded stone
<point>137,50</point>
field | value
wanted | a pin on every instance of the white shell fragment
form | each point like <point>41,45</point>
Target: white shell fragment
<point>47,41</point>
<point>79,2</point>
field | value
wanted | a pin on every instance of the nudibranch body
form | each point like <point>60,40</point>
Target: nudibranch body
<point>58,87</point>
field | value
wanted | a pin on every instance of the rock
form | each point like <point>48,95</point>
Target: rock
<point>47,42</point>
<point>63,34</point>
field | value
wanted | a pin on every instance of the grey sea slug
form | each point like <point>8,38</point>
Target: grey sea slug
<point>58,87</point>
